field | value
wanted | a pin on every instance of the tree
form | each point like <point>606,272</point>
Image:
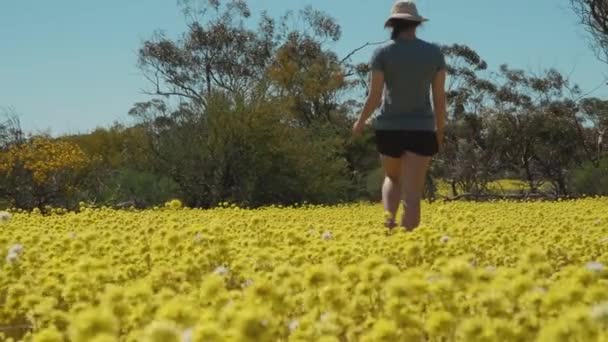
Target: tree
<point>513,123</point>
<point>536,127</point>
<point>10,129</point>
<point>260,114</point>
<point>220,52</point>
<point>466,160</point>
<point>219,56</point>
<point>594,113</point>
<point>594,16</point>
<point>310,78</point>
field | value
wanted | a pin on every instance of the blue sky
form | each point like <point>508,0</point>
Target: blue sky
<point>69,66</point>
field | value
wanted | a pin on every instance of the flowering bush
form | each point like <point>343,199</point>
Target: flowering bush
<point>43,158</point>
<point>42,171</point>
<point>474,272</point>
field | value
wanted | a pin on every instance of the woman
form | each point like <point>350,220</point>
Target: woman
<point>409,132</point>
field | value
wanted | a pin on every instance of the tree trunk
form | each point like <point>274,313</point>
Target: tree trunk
<point>454,190</point>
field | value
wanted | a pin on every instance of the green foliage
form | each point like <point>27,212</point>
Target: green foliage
<point>126,187</point>
<point>244,152</point>
<point>375,178</point>
<point>114,147</point>
<point>591,179</point>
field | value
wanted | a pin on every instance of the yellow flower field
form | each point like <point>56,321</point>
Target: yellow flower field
<point>474,272</point>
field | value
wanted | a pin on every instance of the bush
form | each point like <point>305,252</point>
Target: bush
<point>374,184</point>
<point>141,189</point>
<point>244,152</point>
<point>43,171</point>
<point>590,179</point>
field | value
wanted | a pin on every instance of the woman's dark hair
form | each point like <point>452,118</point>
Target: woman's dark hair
<point>400,25</point>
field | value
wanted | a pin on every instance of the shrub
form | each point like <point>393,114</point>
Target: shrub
<point>590,179</point>
<point>43,171</point>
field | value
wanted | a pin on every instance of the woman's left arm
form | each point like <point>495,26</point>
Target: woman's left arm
<point>374,100</point>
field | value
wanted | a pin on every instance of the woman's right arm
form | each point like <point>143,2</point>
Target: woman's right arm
<point>440,104</point>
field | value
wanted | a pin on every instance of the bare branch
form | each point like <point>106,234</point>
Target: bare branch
<point>600,86</point>
<point>352,53</point>
<point>187,91</point>
<point>594,17</point>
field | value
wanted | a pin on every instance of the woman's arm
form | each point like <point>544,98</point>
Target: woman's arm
<point>374,100</point>
<point>440,103</point>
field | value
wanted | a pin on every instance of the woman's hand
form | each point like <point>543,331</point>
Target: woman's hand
<point>374,99</point>
<point>358,128</point>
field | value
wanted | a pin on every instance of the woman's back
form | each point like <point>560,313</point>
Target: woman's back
<point>409,67</point>
<point>409,130</point>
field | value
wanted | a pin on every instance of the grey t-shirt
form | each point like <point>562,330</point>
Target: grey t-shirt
<point>409,68</point>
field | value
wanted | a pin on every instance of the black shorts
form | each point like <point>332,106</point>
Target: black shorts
<point>395,143</point>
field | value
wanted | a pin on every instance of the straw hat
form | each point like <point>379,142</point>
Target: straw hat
<point>406,10</point>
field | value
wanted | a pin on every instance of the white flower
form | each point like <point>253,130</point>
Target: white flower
<point>324,316</point>
<point>12,257</point>
<point>14,252</point>
<point>187,335</point>
<point>16,248</point>
<point>198,237</point>
<point>434,278</point>
<point>595,266</point>
<point>4,216</point>
<point>327,236</point>
<point>221,270</point>
<point>444,239</point>
<point>293,325</point>
<point>599,312</point>
<point>247,283</point>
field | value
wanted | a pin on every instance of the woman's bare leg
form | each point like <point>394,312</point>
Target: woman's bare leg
<point>413,176</point>
<point>391,189</point>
